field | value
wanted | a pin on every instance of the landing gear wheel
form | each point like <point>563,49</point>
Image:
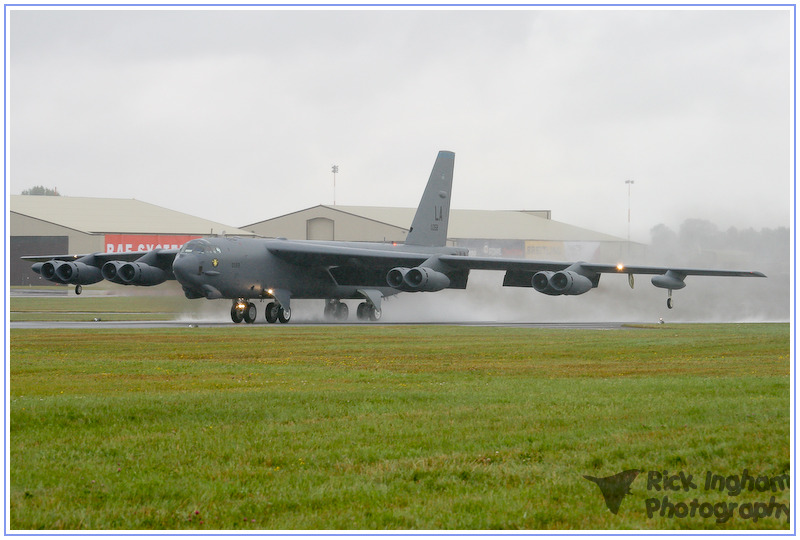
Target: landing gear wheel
<point>335,310</point>
<point>367,312</point>
<point>284,314</point>
<point>342,311</point>
<point>78,289</point>
<point>237,315</point>
<point>272,312</point>
<point>250,313</point>
<point>669,303</point>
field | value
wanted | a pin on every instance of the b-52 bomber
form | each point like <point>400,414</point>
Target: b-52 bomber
<point>280,270</point>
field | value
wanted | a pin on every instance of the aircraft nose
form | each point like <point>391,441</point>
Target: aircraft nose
<point>185,269</point>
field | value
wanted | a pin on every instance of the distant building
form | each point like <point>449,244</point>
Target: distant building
<point>42,225</point>
<point>528,234</point>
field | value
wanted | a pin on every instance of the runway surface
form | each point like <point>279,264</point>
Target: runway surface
<point>99,325</point>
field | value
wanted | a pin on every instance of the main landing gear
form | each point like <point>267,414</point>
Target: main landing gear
<point>669,300</point>
<point>336,310</point>
<point>242,310</point>
<point>368,312</point>
<point>275,312</point>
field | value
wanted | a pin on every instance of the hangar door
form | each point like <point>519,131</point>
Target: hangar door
<point>20,272</point>
<point>319,229</point>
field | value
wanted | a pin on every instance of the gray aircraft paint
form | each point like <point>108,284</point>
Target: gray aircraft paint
<point>429,227</point>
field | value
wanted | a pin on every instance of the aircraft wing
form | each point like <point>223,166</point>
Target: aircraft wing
<point>129,268</point>
<point>128,256</point>
<point>530,265</point>
<point>623,269</point>
<point>414,271</point>
<point>557,278</point>
<point>310,254</point>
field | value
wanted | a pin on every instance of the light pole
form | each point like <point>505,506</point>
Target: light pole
<point>334,170</point>
<point>629,182</point>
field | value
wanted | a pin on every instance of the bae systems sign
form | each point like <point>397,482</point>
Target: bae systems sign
<point>125,243</point>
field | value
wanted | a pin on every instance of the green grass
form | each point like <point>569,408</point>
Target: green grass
<point>374,427</point>
<point>87,308</point>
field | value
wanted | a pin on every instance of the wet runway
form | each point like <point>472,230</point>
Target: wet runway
<point>127,325</point>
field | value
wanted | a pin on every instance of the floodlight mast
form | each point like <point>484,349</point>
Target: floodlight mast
<point>334,170</point>
<point>629,183</point>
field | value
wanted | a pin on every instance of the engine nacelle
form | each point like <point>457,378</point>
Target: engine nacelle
<point>37,267</point>
<point>78,273</point>
<point>425,279</point>
<point>48,270</point>
<point>396,276</point>
<point>136,273</point>
<point>671,280</point>
<point>563,282</point>
<point>569,282</point>
<point>416,279</point>
<point>110,271</point>
<point>541,282</point>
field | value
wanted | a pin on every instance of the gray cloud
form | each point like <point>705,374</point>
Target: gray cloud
<point>237,115</point>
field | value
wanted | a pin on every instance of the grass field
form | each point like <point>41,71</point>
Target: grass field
<point>86,308</point>
<point>392,427</point>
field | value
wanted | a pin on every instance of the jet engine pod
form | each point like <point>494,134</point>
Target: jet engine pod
<point>569,282</point>
<point>110,271</point>
<point>49,272</point>
<point>136,273</point>
<point>78,273</point>
<point>396,276</point>
<point>425,279</point>
<point>541,282</point>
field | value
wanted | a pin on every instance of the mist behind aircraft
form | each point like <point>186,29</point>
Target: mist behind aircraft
<point>696,243</point>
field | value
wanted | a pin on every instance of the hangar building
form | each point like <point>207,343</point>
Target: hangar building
<point>43,225</point>
<point>529,234</point>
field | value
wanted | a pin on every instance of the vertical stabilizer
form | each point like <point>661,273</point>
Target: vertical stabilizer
<point>429,227</point>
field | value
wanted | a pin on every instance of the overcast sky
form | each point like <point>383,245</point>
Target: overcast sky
<point>237,115</point>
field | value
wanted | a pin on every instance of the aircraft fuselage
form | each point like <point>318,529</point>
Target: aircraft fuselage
<point>246,268</point>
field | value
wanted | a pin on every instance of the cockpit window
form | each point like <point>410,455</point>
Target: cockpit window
<point>198,246</point>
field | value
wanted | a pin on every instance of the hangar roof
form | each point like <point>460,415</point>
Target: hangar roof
<point>496,224</point>
<point>121,216</point>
